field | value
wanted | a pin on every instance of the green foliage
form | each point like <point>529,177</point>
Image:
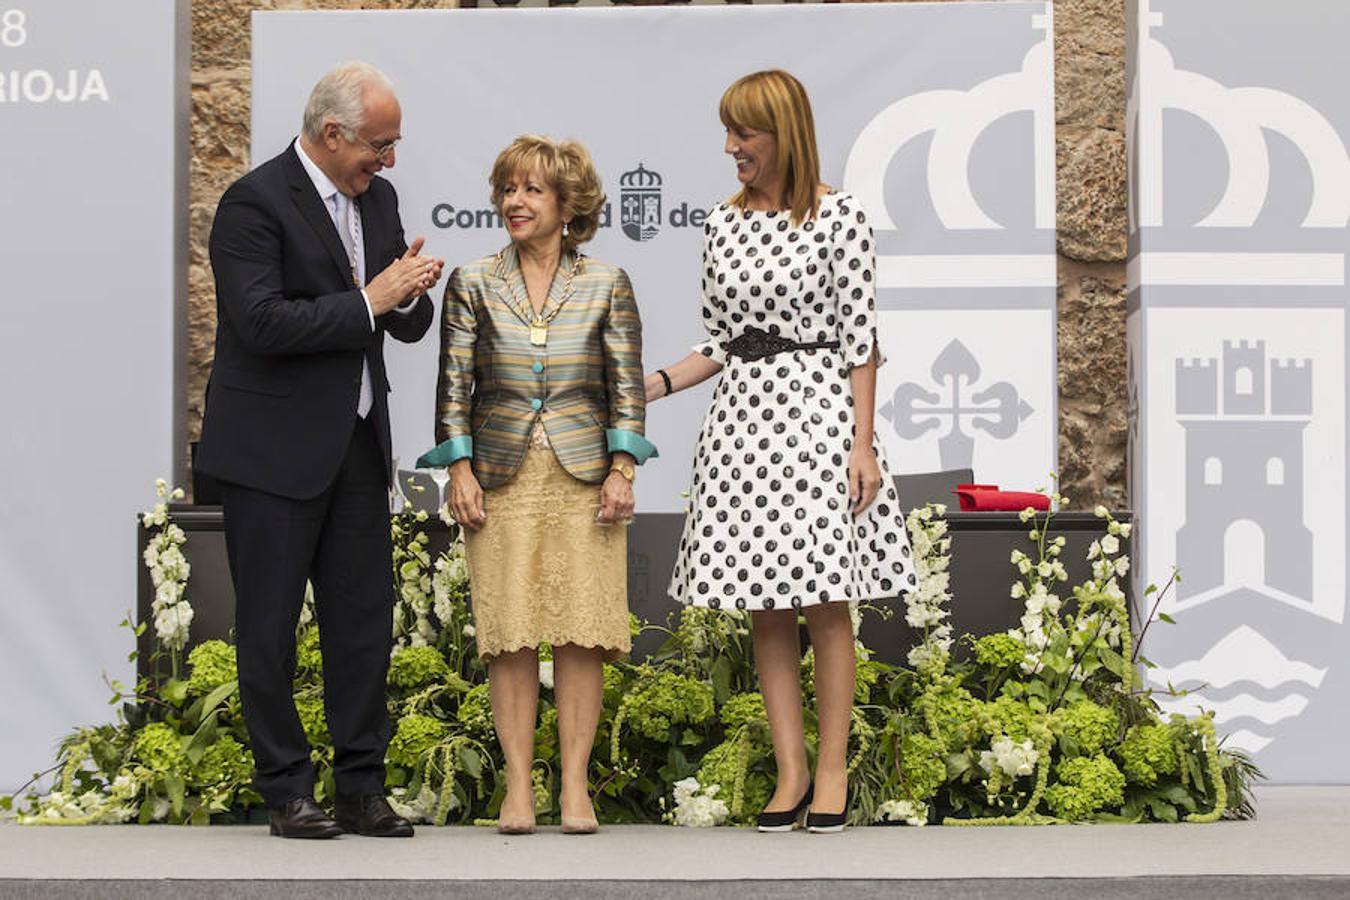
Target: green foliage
<point>475,710</point>
<point>1086,786</point>
<point>1148,753</point>
<point>415,667</point>
<point>922,766</point>
<point>212,664</point>
<point>1084,728</point>
<point>159,747</point>
<point>1042,724</point>
<point>665,700</point>
<point>999,651</point>
<point>416,734</point>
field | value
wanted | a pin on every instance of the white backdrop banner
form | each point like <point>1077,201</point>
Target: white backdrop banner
<point>93,206</point>
<point>939,117</point>
<point>1240,195</point>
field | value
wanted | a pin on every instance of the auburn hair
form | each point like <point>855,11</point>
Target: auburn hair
<point>775,101</point>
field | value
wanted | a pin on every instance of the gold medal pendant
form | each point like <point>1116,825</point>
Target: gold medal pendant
<point>538,333</point>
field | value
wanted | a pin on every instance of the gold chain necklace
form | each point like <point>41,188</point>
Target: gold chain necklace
<point>539,326</point>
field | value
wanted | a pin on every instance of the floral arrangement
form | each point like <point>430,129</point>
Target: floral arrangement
<point>1042,724</point>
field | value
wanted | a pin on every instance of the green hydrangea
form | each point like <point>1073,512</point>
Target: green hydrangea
<point>658,703</point>
<point>952,712</point>
<point>225,762</point>
<point>869,673</point>
<point>614,678</point>
<point>415,735</point>
<point>159,747</point>
<point>313,719</point>
<point>1013,717</point>
<point>212,664</point>
<point>475,710</point>
<point>1148,752</point>
<point>415,667</point>
<point>921,766</point>
<point>546,734</point>
<point>999,651</point>
<point>1088,726</point>
<point>308,655</point>
<point>742,709</point>
<point>722,766</point>
<point>1087,784</point>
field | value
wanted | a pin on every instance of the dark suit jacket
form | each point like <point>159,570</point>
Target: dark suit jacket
<point>292,330</point>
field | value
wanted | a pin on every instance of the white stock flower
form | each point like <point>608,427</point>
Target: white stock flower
<point>1110,544</point>
<point>546,673</point>
<point>695,807</point>
<point>1013,758</point>
<point>902,811</point>
<point>172,624</point>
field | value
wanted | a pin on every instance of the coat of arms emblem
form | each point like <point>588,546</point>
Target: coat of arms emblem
<point>640,203</point>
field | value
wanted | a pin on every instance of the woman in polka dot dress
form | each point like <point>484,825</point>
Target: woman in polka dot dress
<point>792,507</point>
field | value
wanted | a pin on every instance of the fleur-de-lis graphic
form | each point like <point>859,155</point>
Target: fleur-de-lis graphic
<point>997,410</point>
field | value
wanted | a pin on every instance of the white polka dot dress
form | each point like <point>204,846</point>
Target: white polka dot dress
<point>769,525</point>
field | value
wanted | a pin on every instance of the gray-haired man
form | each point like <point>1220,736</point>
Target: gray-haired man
<point>311,271</point>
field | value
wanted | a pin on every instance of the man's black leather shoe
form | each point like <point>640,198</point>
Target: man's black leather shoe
<point>302,818</point>
<point>372,816</point>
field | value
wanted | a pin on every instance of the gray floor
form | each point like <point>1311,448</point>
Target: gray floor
<point>1301,831</point>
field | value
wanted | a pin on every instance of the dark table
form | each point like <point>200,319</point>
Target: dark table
<point>981,573</point>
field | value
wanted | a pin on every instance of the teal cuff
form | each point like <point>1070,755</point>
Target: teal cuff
<point>630,442</point>
<point>446,452</point>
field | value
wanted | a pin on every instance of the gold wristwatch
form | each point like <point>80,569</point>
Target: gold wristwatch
<point>624,469</point>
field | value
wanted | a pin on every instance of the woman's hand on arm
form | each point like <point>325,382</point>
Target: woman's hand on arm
<point>466,496</point>
<point>692,370</point>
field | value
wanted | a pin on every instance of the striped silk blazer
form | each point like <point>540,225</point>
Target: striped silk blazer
<point>496,380</point>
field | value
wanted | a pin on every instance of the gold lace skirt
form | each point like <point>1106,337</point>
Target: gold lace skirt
<point>541,569</point>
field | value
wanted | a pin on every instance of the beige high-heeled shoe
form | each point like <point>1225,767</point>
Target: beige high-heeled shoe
<point>517,825</point>
<point>579,825</point>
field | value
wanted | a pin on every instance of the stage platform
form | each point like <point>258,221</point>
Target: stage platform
<point>1299,847</point>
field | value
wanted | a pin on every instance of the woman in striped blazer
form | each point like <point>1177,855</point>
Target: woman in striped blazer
<point>540,417</point>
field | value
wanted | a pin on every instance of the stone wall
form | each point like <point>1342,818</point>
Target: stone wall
<point>1090,146</point>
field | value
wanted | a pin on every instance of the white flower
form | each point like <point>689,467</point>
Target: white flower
<point>695,807</point>
<point>1019,590</point>
<point>469,630</point>
<point>123,787</point>
<point>172,624</point>
<point>1123,530</point>
<point>903,811</point>
<point>1013,758</point>
<point>1100,511</point>
<point>1110,545</point>
<point>546,673</point>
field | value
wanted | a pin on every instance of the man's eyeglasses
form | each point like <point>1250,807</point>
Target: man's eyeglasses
<point>383,151</point>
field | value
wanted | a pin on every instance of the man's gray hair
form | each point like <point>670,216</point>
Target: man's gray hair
<point>339,95</point>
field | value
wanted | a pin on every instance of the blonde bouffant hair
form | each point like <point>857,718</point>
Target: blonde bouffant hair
<point>567,168</point>
<point>776,102</point>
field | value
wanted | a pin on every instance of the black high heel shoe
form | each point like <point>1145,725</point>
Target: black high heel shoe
<point>787,819</point>
<point>829,823</point>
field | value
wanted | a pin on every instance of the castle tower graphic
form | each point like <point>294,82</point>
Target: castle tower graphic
<point>1244,456</point>
<point>1244,425</point>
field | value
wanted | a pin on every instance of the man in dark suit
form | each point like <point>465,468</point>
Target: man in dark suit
<point>297,432</point>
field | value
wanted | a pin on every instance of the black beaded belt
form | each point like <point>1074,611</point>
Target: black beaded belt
<point>755,343</point>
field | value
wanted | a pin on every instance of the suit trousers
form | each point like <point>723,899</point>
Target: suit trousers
<point>340,541</point>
